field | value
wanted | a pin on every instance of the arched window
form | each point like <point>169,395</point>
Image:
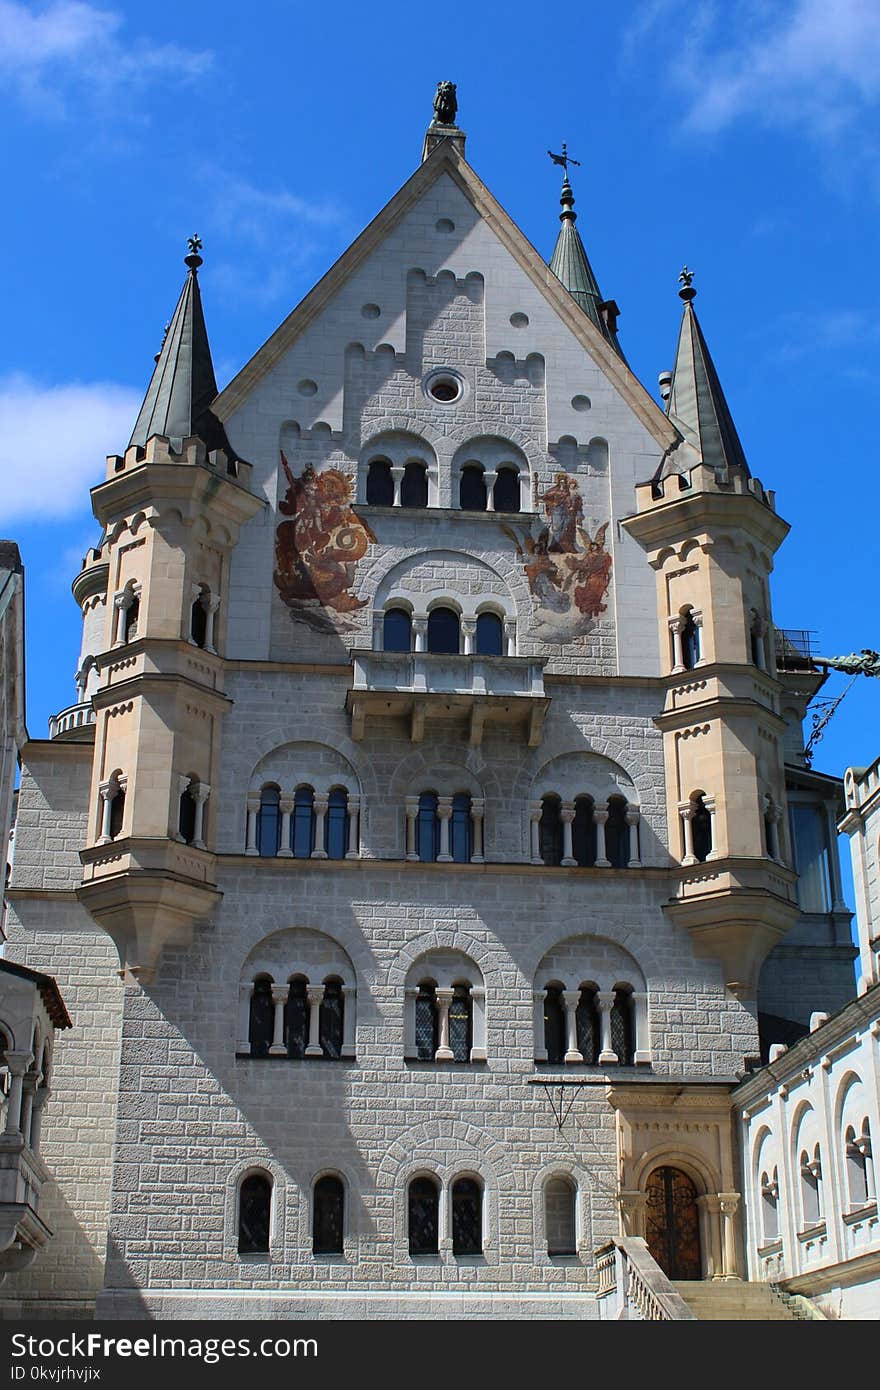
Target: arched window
<point>380,484</point>
<point>303,828</point>
<point>262,1017</point>
<point>427,1030</point>
<point>428,828</point>
<point>770,1206</point>
<point>414,487</point>
<point>858,1150</point>
<point>269,823</point>
<point>423,1216</point>
<point>490,635</point>
<point>296,1018</point>
<point>622,1041</point>
<point>462,829</point>
<point>336,824</point>
<point>506,492</point>
<point>560,1216</point>
<point>396,630</point>
<point>461,1023</point>
<point>467,1217</point>
<point>690,640</point>
<point>550,830</point>
<point>583,831</point>
<point>443,631</point>
<point>587,1024</point>
<point>554,1025</point>
<point>701,828</point>
<point>328,1209</point>
<point>131,618</point>
<point>771,834</point>
<point>331,1017</point>
<point>198,619</point>
<point>254,1214</point>
<point>472,489</point>
<point>811,1176</point>
<point>117,813</point>
<point>186,816</point>
<point>617,833</point>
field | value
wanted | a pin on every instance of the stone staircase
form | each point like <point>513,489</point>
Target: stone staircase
<point>723,1300</point>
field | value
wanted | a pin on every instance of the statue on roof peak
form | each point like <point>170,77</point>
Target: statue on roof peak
<point>445,104</point>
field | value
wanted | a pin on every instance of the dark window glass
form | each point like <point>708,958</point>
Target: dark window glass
<point>427,1039</point>
<point>467,1217</point>
<point>809,833</point>
<point>414,486</point>
<point>428,828</point>
<point>701,827</point>
<point>690,643</point>
<point>254,1206</point>
<point>617,833</point>
<point>583,832</point>
<point>756,649</point>
<point>330,1019</point>
<point>132,615</point>
<point>397,630</point>
<point>380,484</point>
<point>622,1027</point>
<point>262,1019</point>
<point>472,490</point>
<point>460,1030</point>
<point>587,1024</point>
<point>117,814</point>
<point>506,492</point>
<point>269,823</point>
<point>424,1217</point>
<point>443,631</point>
<point>490,635</point>
<point>186,819</point>
<point>327,1217</point>
<point>550,831</point>
<point>296,1019</point>
<point>198,623</point>
<point>559,1212</point>
<point>462,828</point>
<point>336,824</point>
<point>554,1024</point>
<point>303,828</point>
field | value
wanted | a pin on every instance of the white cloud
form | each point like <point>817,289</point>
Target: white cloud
<point>53,442</point>
<point>46,54</point>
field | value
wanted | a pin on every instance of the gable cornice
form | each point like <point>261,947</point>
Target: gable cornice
<point>446,159</point>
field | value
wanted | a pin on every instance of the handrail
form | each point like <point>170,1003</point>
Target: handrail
<point>626,1268</point>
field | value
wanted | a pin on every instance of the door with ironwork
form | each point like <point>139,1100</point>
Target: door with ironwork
<point>673,1224</point>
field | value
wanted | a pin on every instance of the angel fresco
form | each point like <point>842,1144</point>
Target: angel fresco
<point>317,549</point>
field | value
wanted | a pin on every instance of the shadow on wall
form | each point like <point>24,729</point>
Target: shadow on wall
<point>68,1250</point>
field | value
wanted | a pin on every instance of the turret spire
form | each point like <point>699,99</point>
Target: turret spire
<point>570,265</point>
<point>696,402</point>
<point>183,387</point>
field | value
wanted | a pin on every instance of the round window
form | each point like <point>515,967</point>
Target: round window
<point>444,387</point>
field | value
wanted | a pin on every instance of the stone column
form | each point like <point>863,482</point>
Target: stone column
<point>321,803</point>
<point>199,791</point>
<point>314,994</point>
<point>686,811</point>
<point>286,806</point>
<point>245,994</point>
<point>41,1097</point>
<point>279,999</point>
<point>18,1063</point>
<point>253,810</point>
<point>444,815</point>
<point>571,998</point>
<point>108,790</point>
<point>420,634</point>
<point>538,1000</point>
<point>728,1203</point>
<point>675,627</point>
<point>211,608</point>
<point>469,633</point>
<point>354,807</point>
<point>633,1208</point>
<point>443,999</point>
<point>412,811</point>
<point>121,604</point>
<point>535,831</point>
<point>489,476</point>
<point>397,478</point>
<point>478,1015</point>
<point>709,1208</point>
<point>478,809</point>
<point>566,815</point>
<point>28,1091</point>
<point>709,803</point>
<point>510,637</point>
<point>632,821</point>
<point>640,1027</point>
<point>349,1000</point>
<point>604,1003</point>
<point>600,817</point>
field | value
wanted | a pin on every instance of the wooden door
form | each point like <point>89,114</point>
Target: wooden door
<point>673,1224</point>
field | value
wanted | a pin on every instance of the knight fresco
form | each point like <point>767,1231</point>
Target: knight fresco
<point>317,549</point>
<point>568,570</point>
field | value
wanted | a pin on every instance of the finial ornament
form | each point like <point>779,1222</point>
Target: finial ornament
<point>445,104</point>
<point>564,159</point>
<point>193,260</point>
<point>685,279</point>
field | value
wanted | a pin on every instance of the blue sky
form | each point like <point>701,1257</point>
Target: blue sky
<point>740,138</point>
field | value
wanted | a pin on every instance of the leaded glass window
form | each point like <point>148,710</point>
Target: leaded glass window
<point>303,828</point>
<point>560,1198</point>
<point>622,1027</point>
<point>330,1019</point>
<point>336,824</point>
<point>269,823</point>
<point>554,1024</point>
<point>262,1017</point>
<point>423,1212</point>
<point>254,1208</point>
<point>296,1018</point>
<point>460,1023</point>
<point>462,828</point>
<point>587,1025</point>
<point>328,1208</point>
<point>467,1217</point>
<point>427,1037</point>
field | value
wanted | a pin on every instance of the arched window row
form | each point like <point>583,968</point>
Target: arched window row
<point>498,489</point>
<point>590,1026</point>
<point>445,1023</point>
<point>445,829</point>
<point>255,1215</point>
<point>686,639</point>
<point>697,828</point>
<point>859,1159</point>
<point>584,833</point>
<point>443,1218</point>
<point>409,484</point>
<point>305,825</point>
<point>400,476</point>
<point>446,631</point>
<point>298,1019</point>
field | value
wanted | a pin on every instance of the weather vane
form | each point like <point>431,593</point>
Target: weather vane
<point>686,278</point>
<point>195,244</point>
<point>564,159</point>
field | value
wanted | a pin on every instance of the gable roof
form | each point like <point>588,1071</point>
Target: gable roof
<point>446,159</point>
<point>46,984</point>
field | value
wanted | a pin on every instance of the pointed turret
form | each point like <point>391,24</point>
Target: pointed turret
<point>571,267</point>
<point>696,404</point>
<point>178,402</point>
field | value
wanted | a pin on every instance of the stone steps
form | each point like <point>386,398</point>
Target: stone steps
<point>733,1301</point>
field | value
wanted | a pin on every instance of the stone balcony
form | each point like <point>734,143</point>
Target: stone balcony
<point>418,686</point>
<point>74,723</point>
<point>22,1231</point>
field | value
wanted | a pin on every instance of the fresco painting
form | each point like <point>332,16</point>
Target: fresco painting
<point>317,549</point>
<point>568,570</point>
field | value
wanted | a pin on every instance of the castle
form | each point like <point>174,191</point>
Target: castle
<point>432,827</point>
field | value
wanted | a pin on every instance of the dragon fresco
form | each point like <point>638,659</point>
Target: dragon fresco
<point>317,549</point>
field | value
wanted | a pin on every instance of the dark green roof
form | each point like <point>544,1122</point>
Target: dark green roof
<point>696,402</point>
<point>571,267</point>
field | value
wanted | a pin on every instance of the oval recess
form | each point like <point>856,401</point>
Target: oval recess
<point>581,403</point>
<point>519,320</point>
<point>370,311</point>
<point>307,387</point>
